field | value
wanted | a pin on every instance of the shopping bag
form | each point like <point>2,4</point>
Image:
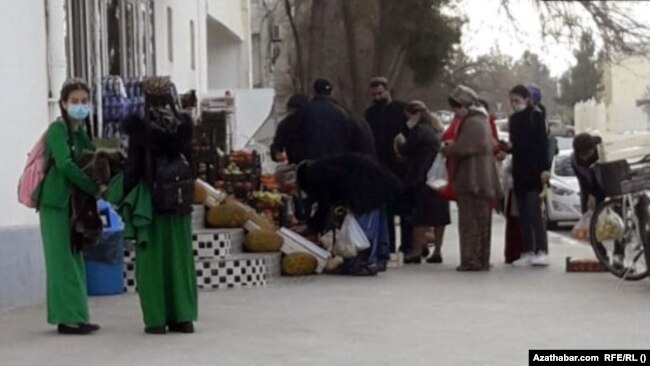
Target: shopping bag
<point>581,229</point>
<point>352,239</point>
<point>609,226</point>
<point>437,177</point>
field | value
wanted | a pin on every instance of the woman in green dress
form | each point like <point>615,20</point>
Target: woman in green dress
<point>160,143</point>
<point>65,140</point>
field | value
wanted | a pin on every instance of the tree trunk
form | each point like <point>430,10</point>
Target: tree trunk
<point>353,61</point>
<point>316,35</point>
<point>296,38</point>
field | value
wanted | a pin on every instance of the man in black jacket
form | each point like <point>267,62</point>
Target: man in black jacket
<point>326,129</point>
<point>584,156</point>
<point>387,119</point>
<point>286,144</point>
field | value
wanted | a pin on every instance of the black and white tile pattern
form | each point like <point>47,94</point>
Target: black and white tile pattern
<point>219,262</point>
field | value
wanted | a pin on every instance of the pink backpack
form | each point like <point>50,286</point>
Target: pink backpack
<point>33,174</point>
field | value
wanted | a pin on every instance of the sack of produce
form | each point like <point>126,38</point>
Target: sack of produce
<point>261,221</point>
<point>581,229</point>
<point>226,216</point>
<point>263,241</point>
<point>205,194</point>
<point>299,264</point>
<point>610,226</point>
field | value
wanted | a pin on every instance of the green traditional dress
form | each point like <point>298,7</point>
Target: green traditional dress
<point>66,275</point>
<point>165,274</point>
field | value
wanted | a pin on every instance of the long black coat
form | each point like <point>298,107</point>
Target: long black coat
<point>529,149</point>
<point>353,180</point>
<point>386,122</point>
<point>143,139</point>
<point>287,139</point>
<point>326,129</point>
<point>420,150</point>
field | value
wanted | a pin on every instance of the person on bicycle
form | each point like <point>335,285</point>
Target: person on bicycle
<point>585,155</point>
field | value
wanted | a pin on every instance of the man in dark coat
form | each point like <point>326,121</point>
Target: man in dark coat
<point>286,142</point>
<point>362,185</point>
<point>326,129</point>
<point>387,119</point>
<point>584,155</point>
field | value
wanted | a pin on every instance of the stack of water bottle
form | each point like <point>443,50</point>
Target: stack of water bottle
<point>120,100</point>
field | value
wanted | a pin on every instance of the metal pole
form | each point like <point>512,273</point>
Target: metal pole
<point>98,68</point>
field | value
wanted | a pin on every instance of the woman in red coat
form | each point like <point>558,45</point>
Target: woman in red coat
<point>450,135</point>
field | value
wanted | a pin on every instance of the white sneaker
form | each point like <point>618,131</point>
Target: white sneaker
<point>526,260</point>
<point>540,260</point>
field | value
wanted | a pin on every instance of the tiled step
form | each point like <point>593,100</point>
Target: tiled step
<point>198,217</point>
<point>209,244</point>
<point>243,270</point>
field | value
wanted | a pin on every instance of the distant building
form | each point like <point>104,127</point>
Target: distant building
<point>625,87</point>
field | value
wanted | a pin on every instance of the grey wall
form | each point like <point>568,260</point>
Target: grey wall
<point>22,271</point>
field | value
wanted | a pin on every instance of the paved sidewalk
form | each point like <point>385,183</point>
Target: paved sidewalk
<point>422,315</point>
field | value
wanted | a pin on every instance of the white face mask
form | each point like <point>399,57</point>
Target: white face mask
<point>519,107</point>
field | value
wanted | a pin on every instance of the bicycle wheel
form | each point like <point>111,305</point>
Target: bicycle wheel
<point>615,239</point>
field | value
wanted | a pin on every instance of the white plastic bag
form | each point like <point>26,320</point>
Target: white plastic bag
<point>580,230</point>
<point>610,226</point>
<point>437,177</point>
<point>352,239</point>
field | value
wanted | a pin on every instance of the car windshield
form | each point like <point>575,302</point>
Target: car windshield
<point>563,167</point>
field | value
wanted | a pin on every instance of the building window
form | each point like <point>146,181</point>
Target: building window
<point>192,45</point>
<point>78,34</point>
<point>170,35</point>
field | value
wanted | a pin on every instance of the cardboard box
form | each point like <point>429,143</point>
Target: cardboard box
<point>295,243</point>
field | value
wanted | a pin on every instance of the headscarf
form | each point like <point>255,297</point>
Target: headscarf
<point>464,95</point>
<point>535,93</point>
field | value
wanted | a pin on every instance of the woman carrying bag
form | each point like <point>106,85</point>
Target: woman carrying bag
<point>65,141</point>
<point>157,210</point>
<point>475,179</point>
<point>430,212</point>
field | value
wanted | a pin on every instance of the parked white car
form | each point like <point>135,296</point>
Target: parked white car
<point>563,196</point>
<point>559,129</point>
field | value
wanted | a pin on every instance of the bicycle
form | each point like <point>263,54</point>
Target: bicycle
<point>620,226</point>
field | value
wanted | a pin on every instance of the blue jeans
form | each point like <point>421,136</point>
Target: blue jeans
<point>374,226</point>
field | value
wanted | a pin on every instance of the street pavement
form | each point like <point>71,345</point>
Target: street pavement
<point>417,315</point>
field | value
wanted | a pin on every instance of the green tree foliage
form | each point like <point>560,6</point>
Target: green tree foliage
<point>580,83</point>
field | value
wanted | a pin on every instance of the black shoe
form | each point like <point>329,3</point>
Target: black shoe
<point>91,326</point>
<point>77,329</point>
<point>436,258</point>
<point>382,266</point>
<point>413,260</point>
<point>184,327</point>
<point>155,330</point>
<point>364,271</point>
<point>426,252</point>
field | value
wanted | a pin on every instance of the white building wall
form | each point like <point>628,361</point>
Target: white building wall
<point>23,98</point>
<point>629,81</point>
<point>24,105</point>
<point>180,68</point>
<point>232,14</point>
<point>229,56</point>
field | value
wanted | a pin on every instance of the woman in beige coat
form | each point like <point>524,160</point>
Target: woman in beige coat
<point>475,179</point>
